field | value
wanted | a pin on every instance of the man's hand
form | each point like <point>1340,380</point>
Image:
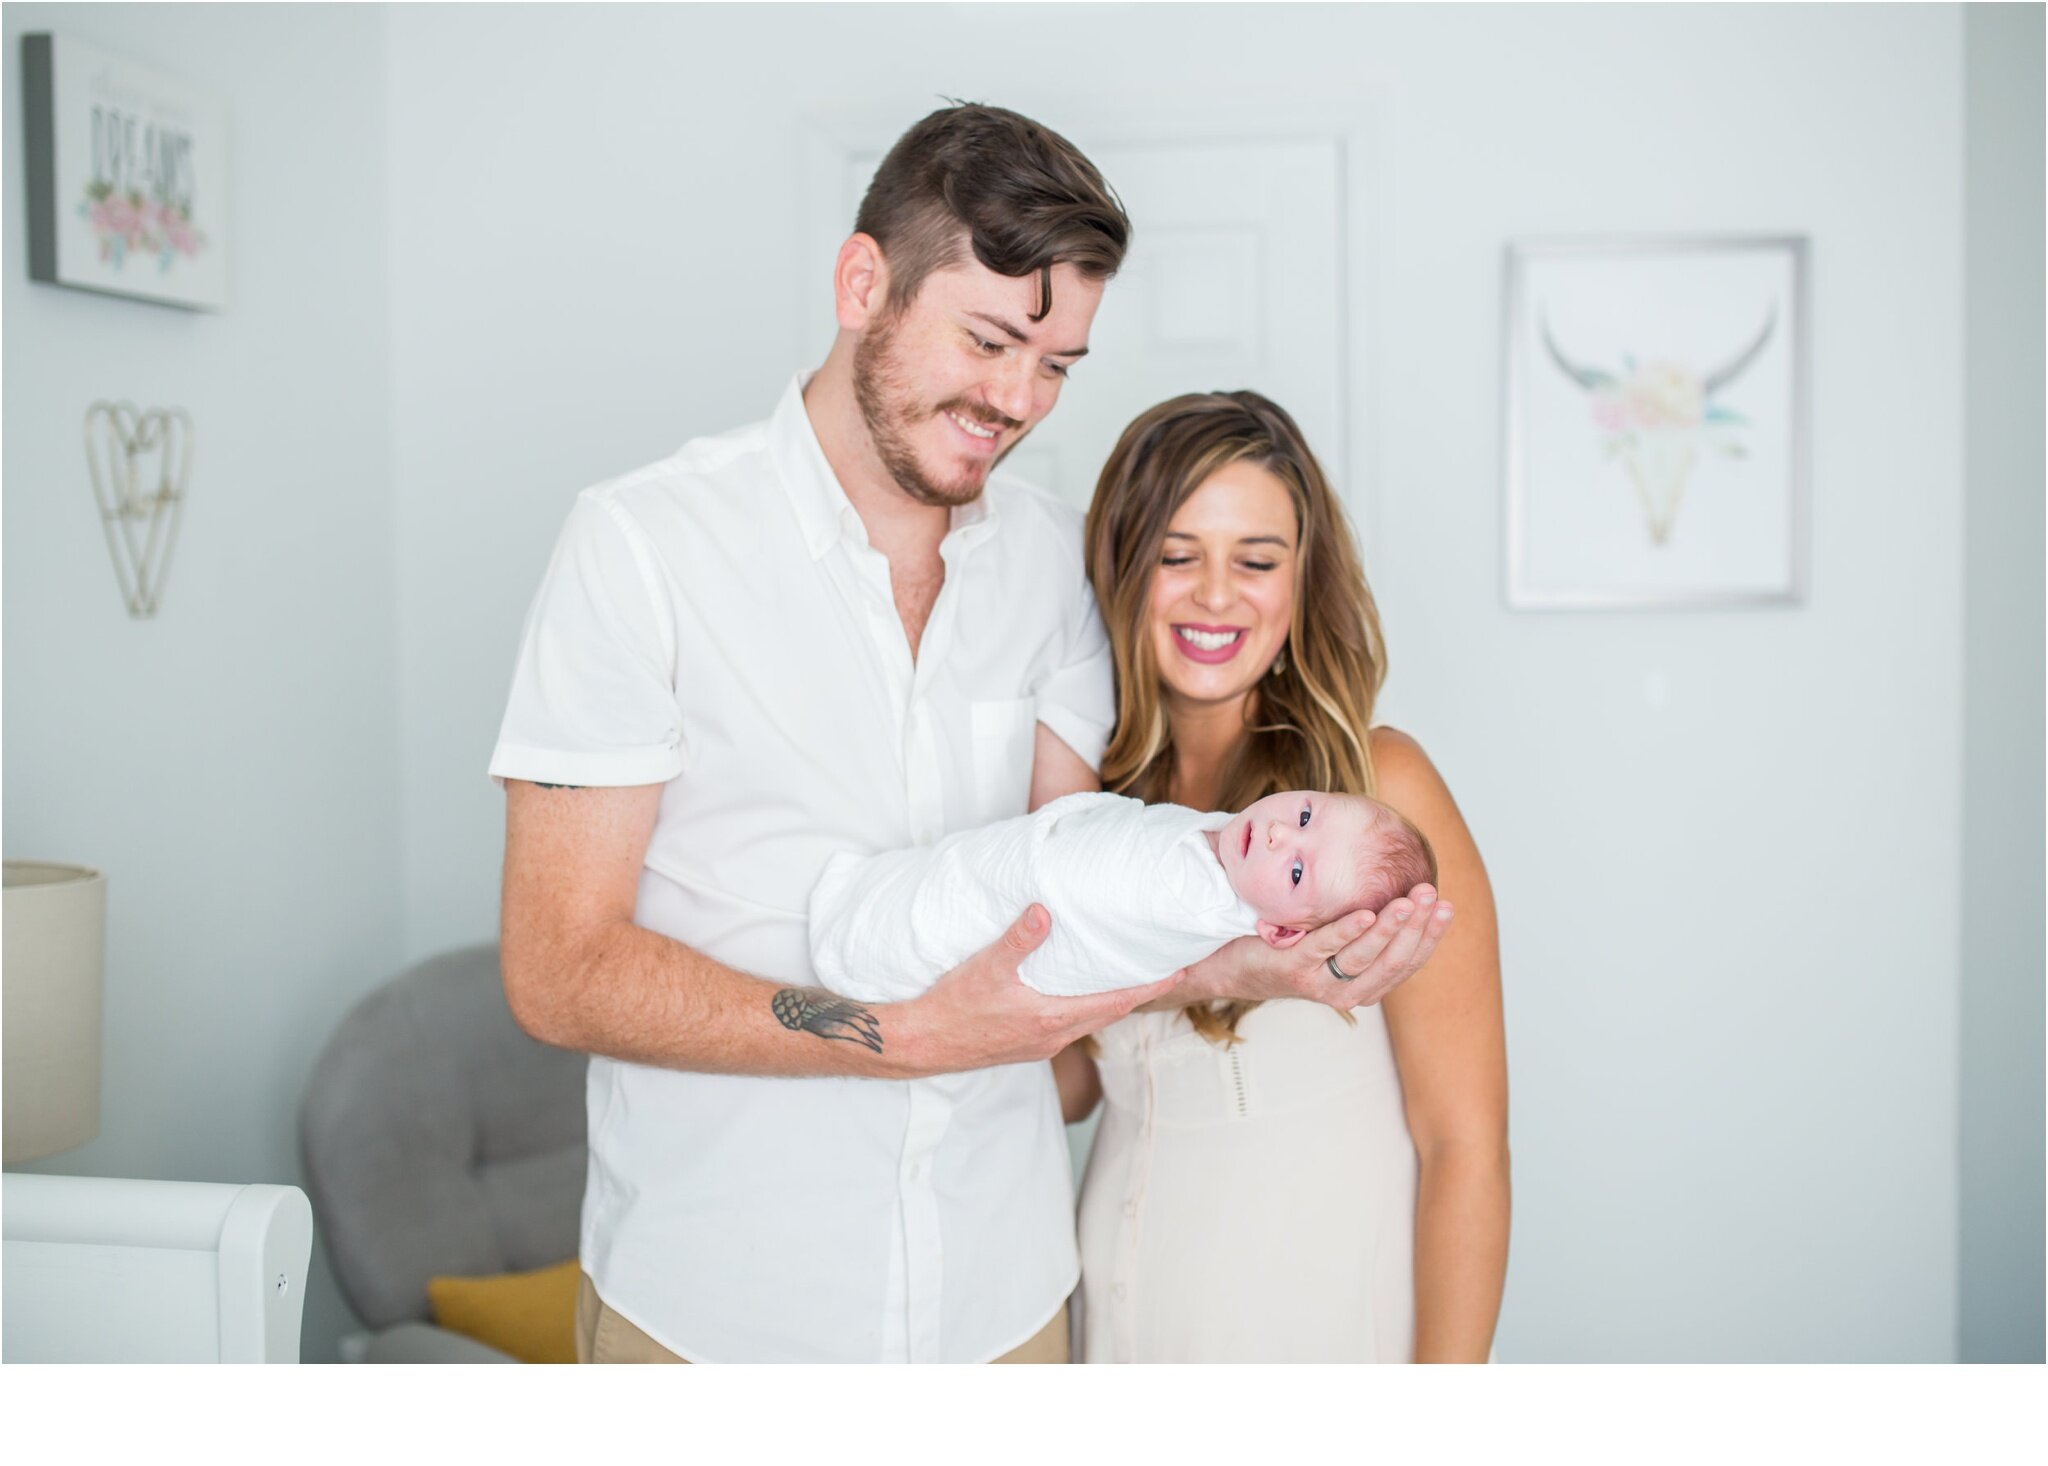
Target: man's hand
<point>981,1014</point>
<point>1377,954</point>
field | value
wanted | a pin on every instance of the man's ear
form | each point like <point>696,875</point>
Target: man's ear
<point>860,282</point>
<point>1280,936</point>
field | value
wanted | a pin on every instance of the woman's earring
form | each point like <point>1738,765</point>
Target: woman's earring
<point>1279,663</point>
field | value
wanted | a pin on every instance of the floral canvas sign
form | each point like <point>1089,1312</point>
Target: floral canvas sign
<point>127,176</point>
<point>1656,422</point>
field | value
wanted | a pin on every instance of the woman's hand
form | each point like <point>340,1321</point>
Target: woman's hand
<point>1391,948</point>
<point>1378,954</point>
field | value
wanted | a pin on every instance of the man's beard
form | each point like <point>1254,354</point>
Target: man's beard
<point>888,409</point>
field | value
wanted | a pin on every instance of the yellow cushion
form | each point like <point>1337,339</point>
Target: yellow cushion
<point>531,1316</point>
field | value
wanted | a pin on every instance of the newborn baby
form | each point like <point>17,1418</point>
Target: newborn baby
<point>1136,891</point>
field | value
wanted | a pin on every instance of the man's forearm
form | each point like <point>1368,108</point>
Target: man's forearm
<point>1461,1253</point>
<point>628,993</point>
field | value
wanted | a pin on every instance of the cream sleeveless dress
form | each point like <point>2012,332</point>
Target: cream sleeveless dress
<point>1249,1204</point>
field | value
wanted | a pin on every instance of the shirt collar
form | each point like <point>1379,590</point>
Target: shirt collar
<point>824,513</point>
<point>813,488</point>
<point>980,517</point>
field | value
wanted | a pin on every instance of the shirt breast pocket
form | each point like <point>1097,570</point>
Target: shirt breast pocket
<point>1004,734</point>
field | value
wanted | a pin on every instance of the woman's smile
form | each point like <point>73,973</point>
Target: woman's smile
<point>1209,644</point>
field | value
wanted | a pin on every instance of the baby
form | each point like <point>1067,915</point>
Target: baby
<point>1136,891</point>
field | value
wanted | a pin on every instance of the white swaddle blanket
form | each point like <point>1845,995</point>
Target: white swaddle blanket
<point>1134,890</point>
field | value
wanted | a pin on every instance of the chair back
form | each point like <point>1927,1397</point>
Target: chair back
<point>438,1138</point>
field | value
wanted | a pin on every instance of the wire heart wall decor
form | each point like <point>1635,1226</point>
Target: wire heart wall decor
<point>140,519</point>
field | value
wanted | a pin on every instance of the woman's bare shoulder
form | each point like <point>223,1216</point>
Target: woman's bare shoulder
<point>1398,760</point>
<point>1404,777</point>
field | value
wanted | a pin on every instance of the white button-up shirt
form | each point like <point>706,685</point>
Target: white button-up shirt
<point>718,623</point>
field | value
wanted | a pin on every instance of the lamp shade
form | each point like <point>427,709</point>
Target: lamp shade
<point>55,942</point>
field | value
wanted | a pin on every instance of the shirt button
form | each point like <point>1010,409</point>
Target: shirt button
<point>1120,1291</point>
<point>1131,1208</point>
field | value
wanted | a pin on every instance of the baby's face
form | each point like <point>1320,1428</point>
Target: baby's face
<point>1294,858</point>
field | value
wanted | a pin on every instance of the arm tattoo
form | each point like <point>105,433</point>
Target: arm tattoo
<point>813,1010</point>
<point>538,785</point>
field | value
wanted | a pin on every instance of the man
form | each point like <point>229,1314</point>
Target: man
<point>829,631</point>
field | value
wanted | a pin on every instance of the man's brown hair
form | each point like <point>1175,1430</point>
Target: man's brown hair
<point>1021,195</point>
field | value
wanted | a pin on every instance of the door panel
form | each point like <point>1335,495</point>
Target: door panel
<point>1234,279</point>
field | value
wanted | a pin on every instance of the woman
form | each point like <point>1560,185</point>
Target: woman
<point>1280,1180</point>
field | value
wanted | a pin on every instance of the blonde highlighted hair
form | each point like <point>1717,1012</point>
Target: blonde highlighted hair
<point>1306,722</point>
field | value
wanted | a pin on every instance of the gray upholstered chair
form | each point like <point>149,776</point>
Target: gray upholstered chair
<point>437,1138</point>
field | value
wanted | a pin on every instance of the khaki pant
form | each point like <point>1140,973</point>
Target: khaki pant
<point>603,1337</point>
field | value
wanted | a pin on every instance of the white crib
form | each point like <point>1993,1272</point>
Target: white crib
<point>115,1271</point>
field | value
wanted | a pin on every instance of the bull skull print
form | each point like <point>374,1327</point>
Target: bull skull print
<point>1659,417</point>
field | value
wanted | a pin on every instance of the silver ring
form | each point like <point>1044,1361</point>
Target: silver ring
<point>1337,972</point>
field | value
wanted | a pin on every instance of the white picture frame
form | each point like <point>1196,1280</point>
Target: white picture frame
<point>1656,422</point>
<point>127,173</point>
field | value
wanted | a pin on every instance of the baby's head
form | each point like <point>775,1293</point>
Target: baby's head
<point>1301,859</point>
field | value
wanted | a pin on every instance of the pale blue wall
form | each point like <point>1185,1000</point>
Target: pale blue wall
<point>232,764</point>
<point>2002,970</point>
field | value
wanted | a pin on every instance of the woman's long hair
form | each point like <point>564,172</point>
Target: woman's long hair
<point>1306,723</point>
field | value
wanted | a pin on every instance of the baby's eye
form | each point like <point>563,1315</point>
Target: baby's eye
<point>1304,816</point>
<point>1297,873</point>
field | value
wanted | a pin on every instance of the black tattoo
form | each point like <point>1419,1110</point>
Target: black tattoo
<point>813,1010</point>
<point>538,785</point>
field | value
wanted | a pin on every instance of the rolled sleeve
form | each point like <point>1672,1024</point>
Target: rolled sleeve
<point>1077,700</point>
<point>593,699</point>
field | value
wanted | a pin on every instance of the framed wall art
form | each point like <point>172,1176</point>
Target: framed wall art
<point>127,173</point>
<point>1656,433</point>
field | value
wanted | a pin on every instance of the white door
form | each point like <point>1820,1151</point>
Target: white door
<point>1235,278</point>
